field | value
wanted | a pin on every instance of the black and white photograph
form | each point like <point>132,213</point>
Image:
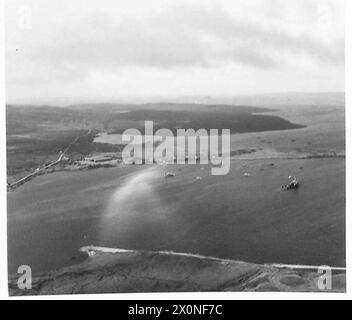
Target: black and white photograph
<point>170,147</point>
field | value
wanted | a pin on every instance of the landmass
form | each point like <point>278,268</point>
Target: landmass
<point>37,136</point>
<point>126,271</point>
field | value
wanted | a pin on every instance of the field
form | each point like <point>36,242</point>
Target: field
<point>36,135</point>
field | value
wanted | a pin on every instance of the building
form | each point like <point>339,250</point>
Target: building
<point>98,159</point>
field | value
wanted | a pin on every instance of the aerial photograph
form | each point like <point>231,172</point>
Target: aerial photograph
<point>175,146</point>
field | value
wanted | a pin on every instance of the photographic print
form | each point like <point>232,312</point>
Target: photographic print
<point>175,146</point>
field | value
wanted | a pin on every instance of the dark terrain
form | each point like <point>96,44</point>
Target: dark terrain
<point>143,271</point>
<point>36,134</point>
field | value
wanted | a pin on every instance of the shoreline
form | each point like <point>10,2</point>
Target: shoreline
<point>91,251</point>
<point>114,270</point>
<point>119,164</point>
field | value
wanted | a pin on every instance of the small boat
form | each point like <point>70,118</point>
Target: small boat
<point>169,174</point>
<point>293,184</point>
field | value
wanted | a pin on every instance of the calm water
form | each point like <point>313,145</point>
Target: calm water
<point>233,216</point>
<point>236,217</point>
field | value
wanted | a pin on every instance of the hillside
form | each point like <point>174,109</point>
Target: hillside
<point>124,271</point>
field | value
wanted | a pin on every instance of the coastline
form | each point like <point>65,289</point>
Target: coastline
<point>91,251</point>
<point>113,270</point>
<point>300,151</point>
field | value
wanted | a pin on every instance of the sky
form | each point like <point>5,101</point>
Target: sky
<point>112,48</point>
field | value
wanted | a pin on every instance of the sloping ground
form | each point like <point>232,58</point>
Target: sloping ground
<point>137,271</point>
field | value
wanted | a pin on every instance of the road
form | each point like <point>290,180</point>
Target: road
<point>37,171</point>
